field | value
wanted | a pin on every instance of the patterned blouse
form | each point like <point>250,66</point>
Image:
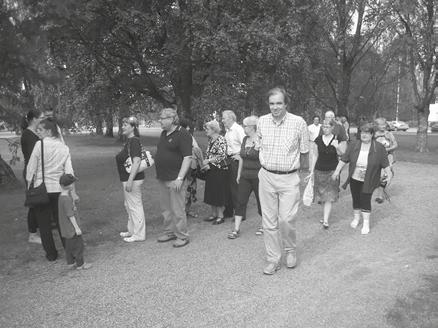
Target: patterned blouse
<point>217,152</point>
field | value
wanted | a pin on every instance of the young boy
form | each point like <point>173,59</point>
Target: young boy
<point>69,224</point>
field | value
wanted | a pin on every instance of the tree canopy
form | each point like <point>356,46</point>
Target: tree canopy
<point>98,60</point>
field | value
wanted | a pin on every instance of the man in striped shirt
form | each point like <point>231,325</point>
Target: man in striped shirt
<point>284,149</point>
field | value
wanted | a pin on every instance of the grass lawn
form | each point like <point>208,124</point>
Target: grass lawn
<point>386,279</point>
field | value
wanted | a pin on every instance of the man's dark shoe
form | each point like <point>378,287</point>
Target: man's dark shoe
<point>271,268</point>
<point>291,260</point>
<point>166,237</point>
<point>180,242</point>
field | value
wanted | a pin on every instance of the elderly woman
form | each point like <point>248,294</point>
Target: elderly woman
<point>247,174</point>
<point>132,181</point>
<point>57,161</point>
<point>367,158</point>
<point>28,140</point>
<point>326,190</point>
<point>215,193</point>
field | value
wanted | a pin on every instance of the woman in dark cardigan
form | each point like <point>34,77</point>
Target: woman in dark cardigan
<point>367,158</point>
<point>29,137</point>
<point>247,174</point>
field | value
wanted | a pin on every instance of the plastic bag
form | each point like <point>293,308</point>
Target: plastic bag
<point>308,192</point>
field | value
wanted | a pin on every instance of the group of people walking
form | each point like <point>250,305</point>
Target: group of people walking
<point>264,157</point>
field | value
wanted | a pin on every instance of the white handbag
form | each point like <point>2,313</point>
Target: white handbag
<point>146,161</point>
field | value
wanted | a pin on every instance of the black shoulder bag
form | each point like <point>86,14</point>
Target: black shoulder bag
<point>37,196</point>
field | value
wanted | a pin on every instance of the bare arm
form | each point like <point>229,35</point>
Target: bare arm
<point>239,169</point>
<point>185,166</point>
<point>338,170</point>
<point>134,169</point>
<point>75,225</point>
<point>304,161</point>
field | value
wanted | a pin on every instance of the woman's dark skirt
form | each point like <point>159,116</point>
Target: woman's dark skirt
<point>215,186</point>
<point>325,188</point>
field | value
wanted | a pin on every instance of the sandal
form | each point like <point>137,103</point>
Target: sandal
<point>192,214</point>
<point>325,225</point>
<point>234,234</point>
<point>209,219</point>
<point>259,231</point>
<point>218,221</point>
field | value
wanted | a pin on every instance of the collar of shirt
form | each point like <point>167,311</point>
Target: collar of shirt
<point>231,127</point>
<point>282,120</point>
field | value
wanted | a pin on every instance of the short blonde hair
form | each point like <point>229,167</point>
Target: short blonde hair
<point>229,113</point>
<point>251,121</point>
<point>213,125</point>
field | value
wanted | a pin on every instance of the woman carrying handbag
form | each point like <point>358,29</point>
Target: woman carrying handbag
<point>49,160</point>
<point>128,159</point>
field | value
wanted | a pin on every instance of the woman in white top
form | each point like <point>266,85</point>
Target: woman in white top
<point>57,161</point>
<point>367,159</point>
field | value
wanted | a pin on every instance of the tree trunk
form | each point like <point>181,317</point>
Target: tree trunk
<point>421,144</point>
<point>99,125</point>
<point>7,176</point>
<point>109,122</point>
<point>123,112</point>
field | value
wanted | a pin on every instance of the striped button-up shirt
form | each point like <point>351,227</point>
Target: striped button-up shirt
<point>282,142</point>
<point>57,161</point>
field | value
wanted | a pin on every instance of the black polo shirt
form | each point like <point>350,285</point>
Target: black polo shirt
<point>171,150</point>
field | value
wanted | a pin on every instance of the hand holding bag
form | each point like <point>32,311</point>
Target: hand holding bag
<point>37,196</point>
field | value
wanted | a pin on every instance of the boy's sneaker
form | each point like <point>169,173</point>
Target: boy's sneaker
<point>125,234</point>
<point>34,238</point>
<point>71,266</point>
<point>132,239</point>
<point>84,266</point>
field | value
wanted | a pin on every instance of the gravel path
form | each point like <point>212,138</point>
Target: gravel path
<point>386,279</point>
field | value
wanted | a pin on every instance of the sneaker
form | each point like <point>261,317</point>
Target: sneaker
<point>354,223</point>
<point>84,266</point>
<point>271,268</point>
<point>71,266</point>
<point>259,231</point>
<point>125,234</point>
<point>166,237</point>
<point>34,238</point>
<point>365,230</point>
<point>291,260</point>
<point>180,242</point>
<point>132,239</point>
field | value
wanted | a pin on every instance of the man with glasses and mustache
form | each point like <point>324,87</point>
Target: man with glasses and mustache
<point>172,162</point>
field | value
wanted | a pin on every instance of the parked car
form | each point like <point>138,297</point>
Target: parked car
<point>398,126</point>
<point>434,127</point>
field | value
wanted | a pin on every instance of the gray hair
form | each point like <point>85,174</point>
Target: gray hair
<point>213,125</point>
<point>332,113</point>
<point>171,112</point>
<point>230,114</point>
<point>251,121</point>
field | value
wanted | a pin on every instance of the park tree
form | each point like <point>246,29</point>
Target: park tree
<point>348,30</point>
<point>419,32</point>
